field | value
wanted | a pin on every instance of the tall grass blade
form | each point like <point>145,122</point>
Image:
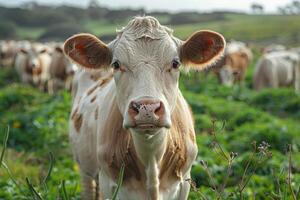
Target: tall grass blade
<point>64,191</point>
<point>51,158</point>
<point>4,145</point>
<point>35,195</point>
<point>120,181</point>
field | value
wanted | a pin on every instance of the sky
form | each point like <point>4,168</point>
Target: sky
<point>168,5</point>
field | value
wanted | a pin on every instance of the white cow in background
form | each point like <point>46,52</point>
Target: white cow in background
<point>32,64</point>
<point>278,69</point>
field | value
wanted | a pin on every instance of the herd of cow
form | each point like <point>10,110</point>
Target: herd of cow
<point>45,66</point>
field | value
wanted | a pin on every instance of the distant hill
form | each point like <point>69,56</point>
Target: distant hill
<point>40,22</point>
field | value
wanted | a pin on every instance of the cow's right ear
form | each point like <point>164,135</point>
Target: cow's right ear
<point>88,51</point>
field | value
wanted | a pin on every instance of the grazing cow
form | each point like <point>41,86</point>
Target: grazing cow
<point>136,115</point>
<point>61,71</point>
<point>277,69</point>
<point>232,67</point>
<point>32,64</point>
<point>8,50</point>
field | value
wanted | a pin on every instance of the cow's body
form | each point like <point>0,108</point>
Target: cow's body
<point>32,65</point>
<point>61,71</point>
<point>277,69</point>
<point>98,107</point>
<point>232,67</point>
<point>135,114</point>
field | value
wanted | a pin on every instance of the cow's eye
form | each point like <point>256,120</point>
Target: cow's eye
<point>116,65</point>
<point>175,64</point>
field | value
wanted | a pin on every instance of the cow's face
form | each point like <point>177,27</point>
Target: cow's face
<point>234,66</point>
<point>33,62</point>
<point>146,70</point>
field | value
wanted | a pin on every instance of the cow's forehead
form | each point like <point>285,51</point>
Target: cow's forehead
<point>145,50</point>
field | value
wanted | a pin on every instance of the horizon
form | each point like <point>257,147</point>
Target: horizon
<point>159,5</point>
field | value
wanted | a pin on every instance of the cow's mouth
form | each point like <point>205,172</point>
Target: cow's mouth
<point>147,126</point>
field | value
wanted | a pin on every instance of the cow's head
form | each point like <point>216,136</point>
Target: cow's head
<point>33,61</point>
<point>236,60</point>
<point>146,59</point>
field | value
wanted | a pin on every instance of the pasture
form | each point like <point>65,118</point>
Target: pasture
<point>233,125</point>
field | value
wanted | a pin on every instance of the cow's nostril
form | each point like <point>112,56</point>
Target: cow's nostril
<point>134,108</point>
<point>159,111</point>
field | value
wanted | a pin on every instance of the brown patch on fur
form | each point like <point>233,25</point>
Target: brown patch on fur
<point>175,156</point>
<point>95,77</point>
<point>93,99</point>
<point>119,148</point>
<point>74,113</point>
<point>191,131</point>
<point>90,91</point>
<point>77,121</point>
<point>105,80</point>
<point>96,113</point>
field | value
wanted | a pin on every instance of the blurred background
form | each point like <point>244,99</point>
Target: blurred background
<point>248,136</point>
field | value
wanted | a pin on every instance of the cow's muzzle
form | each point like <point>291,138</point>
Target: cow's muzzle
<point>147,114</point>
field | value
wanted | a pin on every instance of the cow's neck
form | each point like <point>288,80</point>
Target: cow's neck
<point>150,150</point>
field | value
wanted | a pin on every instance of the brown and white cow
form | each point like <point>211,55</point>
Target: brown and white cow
<point>277,69</point>
<point>61,71</point>
<point>136,114</point>
<point>232,67</point>
<point>32,64</point>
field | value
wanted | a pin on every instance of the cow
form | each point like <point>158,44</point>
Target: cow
<point>32,65</point>
<point>135,115</point>
<point>61,71</point>
<point>232,67</point>
<point>8,51</point>
<point>277,69</point>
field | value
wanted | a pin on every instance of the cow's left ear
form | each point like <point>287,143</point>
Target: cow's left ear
<point>202,49</point>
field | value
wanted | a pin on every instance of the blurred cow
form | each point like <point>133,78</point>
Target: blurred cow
<point>32,64</point>
<point>277,69</point>
<point>61,71</point>
<point>8,50</point>
<point>232,67</point>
